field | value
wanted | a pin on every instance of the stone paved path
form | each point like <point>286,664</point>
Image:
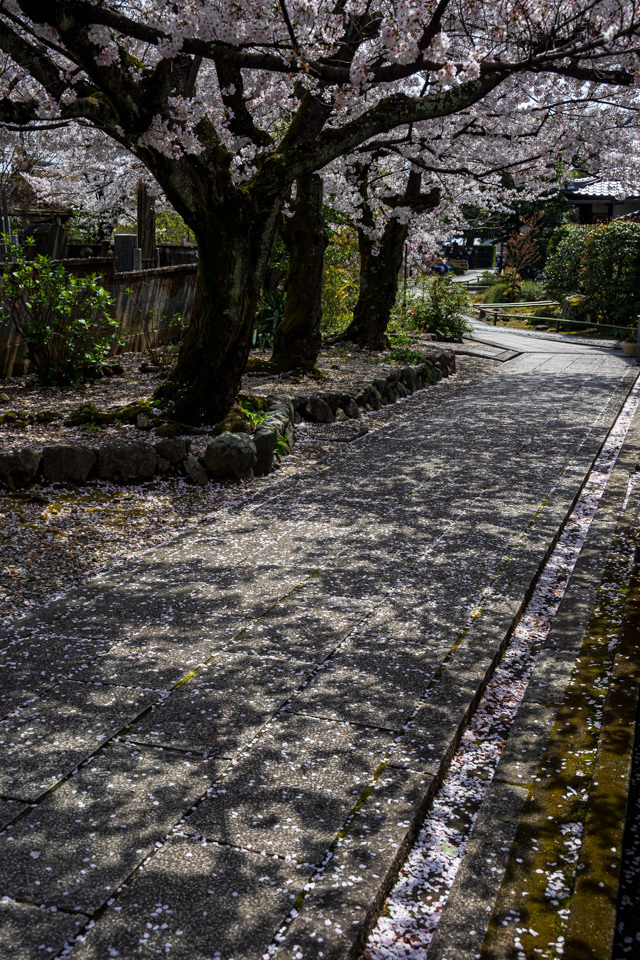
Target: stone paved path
<point>264,709</point>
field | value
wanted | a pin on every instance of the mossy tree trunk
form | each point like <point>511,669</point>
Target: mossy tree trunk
<point>379,273</point>
<point>380,262</point>
<point>233,251</point>
<point>297,337</point>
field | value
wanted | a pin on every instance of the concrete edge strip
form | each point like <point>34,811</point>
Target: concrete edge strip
<point>592,922</point>
<point>592,919</point>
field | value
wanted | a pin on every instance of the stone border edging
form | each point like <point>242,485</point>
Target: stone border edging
<point>230,456</point>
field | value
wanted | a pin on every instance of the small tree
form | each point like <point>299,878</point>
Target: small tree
<point>63,320</point>
<point>523,250</point>
<point>442,311</point>
<point>562,270</point>
<point>610,272</point>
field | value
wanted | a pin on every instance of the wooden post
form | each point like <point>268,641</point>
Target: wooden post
<point>4,220</point>
<point>146,224</point>
<point>404,305</point>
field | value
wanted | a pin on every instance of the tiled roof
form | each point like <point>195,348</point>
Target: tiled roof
<point>594,187</point>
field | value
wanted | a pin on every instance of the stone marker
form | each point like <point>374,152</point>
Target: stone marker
<point>126,462</point>
<point>67,463</point>
<point>231,455</point>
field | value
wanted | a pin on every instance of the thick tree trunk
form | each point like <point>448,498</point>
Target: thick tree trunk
<point>233,250</point>
<point>378,284</point>
<point>298,338</point>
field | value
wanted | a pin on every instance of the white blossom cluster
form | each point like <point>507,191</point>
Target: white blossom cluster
<point>352,60</point>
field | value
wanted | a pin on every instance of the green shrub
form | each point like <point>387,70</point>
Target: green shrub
<point>441,311</point>
<point>610,272</point>
<point>494,294</point>
<point>341,280</point>
<point>601,262</point>
<point>531,290</point>
<point>459,267</point>
<point>485,256</point>
<point>562,270</point>
<point>403,355</point>
<point>270,313</point>
<point>63,320</point>
<point>512,285</point>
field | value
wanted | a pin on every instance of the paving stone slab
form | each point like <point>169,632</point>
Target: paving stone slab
<point>433,733</point>
<point>397,619</point>
<point>9,809</point>
<point>305,628</point>
<point>47,738</point>
<point>170,607</point>
<point>154,664</point>
<point>31,933</point>
<point>43,659</point>
<point>17,690</point>
<point>550,677</point>
<point>345,897</point>
<point>75,848</point>
<point>378,684</point>
<point>292,794</point>
<point>222,707</point>
<point>526,743</point>
<point>197,901</point>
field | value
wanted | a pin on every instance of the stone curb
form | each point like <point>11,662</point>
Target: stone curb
<point>230,456</point>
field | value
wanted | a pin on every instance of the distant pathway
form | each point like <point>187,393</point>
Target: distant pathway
<point>193,742</point>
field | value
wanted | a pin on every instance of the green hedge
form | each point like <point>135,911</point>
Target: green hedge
<point>601,262</point>
<point>485,256</point>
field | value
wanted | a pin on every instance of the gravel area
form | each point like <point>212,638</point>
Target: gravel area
<point>339,367</point>
<point>52,537</point>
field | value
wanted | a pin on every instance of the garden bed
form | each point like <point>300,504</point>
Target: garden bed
<point>103,430</point>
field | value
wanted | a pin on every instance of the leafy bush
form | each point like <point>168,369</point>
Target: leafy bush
<point>501,292</point>
<point>403,355</point>
<point>270,313</point>
<point>531,291</point>
<point>63,320</point>
<point>441,311</point>
<point>459,267</point>
<point>562,269</point>
<point>494,294</point>
<point>610,272</point>
<point>512,285</point>
<point>485,256</point>
<point>341,280</point>
<point>601,262</point>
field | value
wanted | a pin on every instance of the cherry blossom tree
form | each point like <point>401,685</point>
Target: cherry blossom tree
<point>227,104</point>
<point>298,339</point>
<point>87,171</point>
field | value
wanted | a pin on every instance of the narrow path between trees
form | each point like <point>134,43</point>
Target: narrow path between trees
<point>226,749</point>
